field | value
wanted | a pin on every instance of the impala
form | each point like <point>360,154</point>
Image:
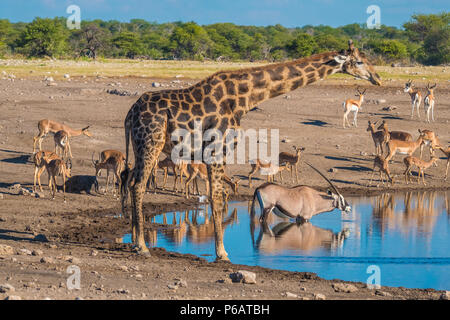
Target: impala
<point>200,170</point>
<point>383,167</point>
<point>291,160</point>
<point>394,135</point>
<point>106,154</point>
<point>429,101</point>
<point>354,106</point>
<point>39,159</point>
<point>58,167</point>
<point>45,126</point>
<point>62,142</point>
<point>268,169</point>
<point>403,147</point>
<point>378,137</point>
<point>416,97</point>
<point>420,164</point>
<point>431,140</point>
<point>300,202</point>
<point>447,154</point>
<point>114,164</point>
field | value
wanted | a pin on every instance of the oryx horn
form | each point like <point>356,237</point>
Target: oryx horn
<point>323,176</point>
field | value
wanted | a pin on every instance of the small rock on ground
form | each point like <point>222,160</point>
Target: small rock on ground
<point>344,287</point>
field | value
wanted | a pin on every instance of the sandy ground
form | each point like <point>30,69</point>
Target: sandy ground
<point>40,237</point>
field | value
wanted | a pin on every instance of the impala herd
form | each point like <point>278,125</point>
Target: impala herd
<point>387,144</point>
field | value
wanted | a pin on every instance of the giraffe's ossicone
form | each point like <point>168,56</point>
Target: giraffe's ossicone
<point>217,102</point>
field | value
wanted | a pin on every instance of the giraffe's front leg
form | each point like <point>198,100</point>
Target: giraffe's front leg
<point>215,175</point>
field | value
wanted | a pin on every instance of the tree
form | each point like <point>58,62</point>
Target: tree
<point>190,41</point>
<point>128,43</point>
<point>302,46</point>
<point>392,49</point>
<point>93,39</point>
<point>44,37</point>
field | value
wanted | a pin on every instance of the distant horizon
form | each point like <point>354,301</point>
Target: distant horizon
<point>288,13</point>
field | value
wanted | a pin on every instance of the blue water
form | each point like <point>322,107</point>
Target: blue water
<point>407,236</point>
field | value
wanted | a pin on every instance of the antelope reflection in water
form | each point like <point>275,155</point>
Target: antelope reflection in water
<point>419,213</point>
<point>297,236</point>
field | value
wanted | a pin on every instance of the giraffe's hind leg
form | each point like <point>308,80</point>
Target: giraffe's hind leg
<point>147,149</point>
<point>215,175</point>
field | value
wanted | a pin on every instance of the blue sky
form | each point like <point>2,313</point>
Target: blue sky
<point>289,13</point>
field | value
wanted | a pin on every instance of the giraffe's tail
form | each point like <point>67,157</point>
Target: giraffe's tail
<point>126,175</point>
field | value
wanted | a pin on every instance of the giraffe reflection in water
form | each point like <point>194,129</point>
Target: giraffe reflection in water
<point>188,226</point>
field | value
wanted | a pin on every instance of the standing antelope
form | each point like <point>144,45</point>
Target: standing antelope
<point>114,164</point>
<point>420,164</point>
<point>378,137</point>
<point>383,167</point>
<point>62,142</point>
<point>300,202</point>
<point>291,160</point>
<point>354,106</point>
<point>447,154</point>
<point>106,154</point>
<point>194,170</point>
<point>403,147</point>
<point>268,169</point>
<point>429,101</point>
<point>39,159</point>
<point>58,167</point>
<point>394,135</point>
<point>416,97</point>
<point>431,140</point>
<point>45,126</point>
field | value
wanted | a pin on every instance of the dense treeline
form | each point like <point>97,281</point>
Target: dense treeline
<point>424,39</point>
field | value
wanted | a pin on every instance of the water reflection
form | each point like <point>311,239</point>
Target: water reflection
<point>296,236</point>
<point>406,234</point>
<point>410,212</point>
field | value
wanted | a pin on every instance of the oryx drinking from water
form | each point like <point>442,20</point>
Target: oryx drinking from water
<point>300,202</point>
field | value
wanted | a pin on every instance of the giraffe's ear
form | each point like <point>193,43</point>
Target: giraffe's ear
<point>340,58</point>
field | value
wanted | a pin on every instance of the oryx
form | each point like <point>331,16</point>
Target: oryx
<point>299,202</point>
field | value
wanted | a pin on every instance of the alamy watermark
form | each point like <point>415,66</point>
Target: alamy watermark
<point>374,20</point>
<point>374,280</point>
<point>229,147</point>
<point>74,20</point>
<point>74,280</point>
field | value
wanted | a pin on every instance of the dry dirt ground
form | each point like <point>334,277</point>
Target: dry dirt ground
<point>40,237</point>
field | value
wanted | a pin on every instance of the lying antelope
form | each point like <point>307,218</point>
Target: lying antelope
<point>431,140</point>
<point>447,154</point>
<point>268,169</point>
<point>420,164</point>
<point>429,101</point>
<point>377,136</point>
<point>300,202</point>
<point>416,97</point>
<point>383,167</point>
<point>39,159</point>
<point>403,147</point>
<point>354,106</point>
<point>114,164</point>
<point>61,139</point>
<point>58,167</point>
<point>291,160</point>
<point>45,126</point>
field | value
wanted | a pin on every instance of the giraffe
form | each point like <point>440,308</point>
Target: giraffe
<point>217,102</point>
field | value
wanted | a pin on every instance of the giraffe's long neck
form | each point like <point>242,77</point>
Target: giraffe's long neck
<point>256,85</point>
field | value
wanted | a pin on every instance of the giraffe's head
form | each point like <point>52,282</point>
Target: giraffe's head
<point>356,64</point>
